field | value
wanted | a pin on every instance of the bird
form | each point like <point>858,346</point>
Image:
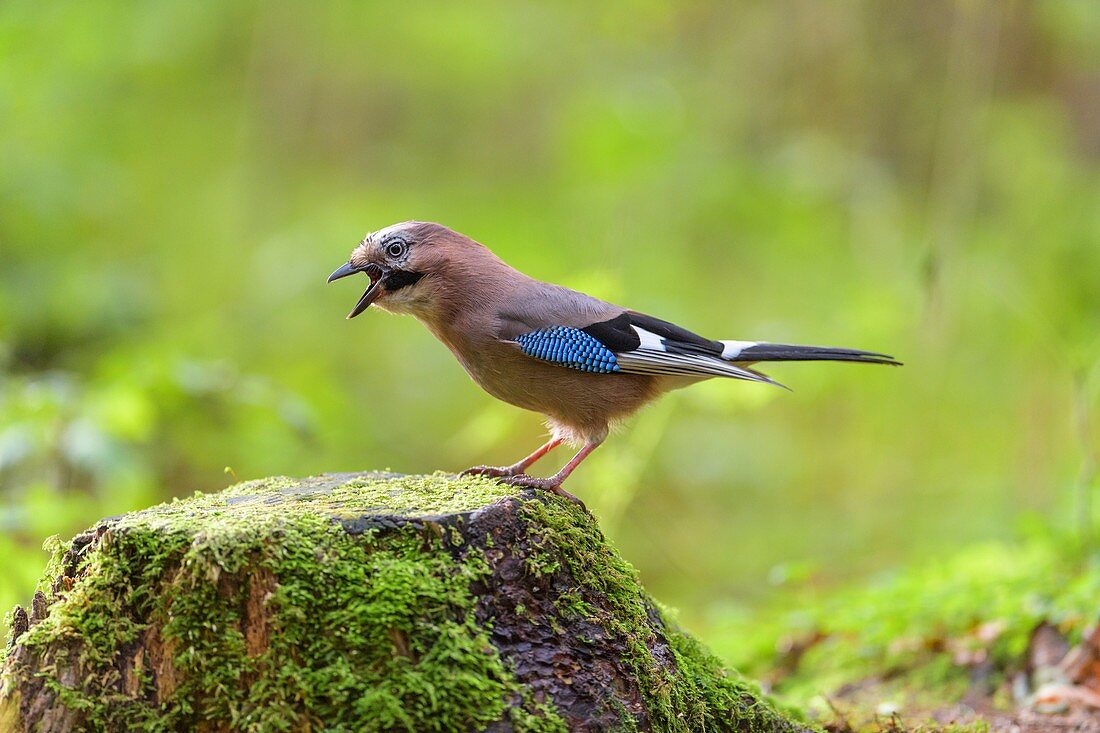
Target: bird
<point>583,363</point>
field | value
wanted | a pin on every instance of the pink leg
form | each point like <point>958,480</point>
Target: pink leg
<point>515,469</point>
<point>554,482</point>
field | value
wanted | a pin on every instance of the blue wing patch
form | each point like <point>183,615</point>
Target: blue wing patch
<point>570,347</point>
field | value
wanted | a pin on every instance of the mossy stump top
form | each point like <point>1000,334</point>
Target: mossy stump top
<point>358,602</point>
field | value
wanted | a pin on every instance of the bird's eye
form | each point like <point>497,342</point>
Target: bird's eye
<point>396,249</point>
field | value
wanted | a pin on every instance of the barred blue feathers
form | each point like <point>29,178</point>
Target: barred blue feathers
<point>570,347</point>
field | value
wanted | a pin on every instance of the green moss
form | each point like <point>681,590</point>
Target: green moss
<point>268,499</point>
<point>344,620</point>
<point>9,713</point>
<point>699,695</point>
<point>900,637</point>
<point>370,632</point>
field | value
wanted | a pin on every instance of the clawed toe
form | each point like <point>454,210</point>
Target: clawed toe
<point>530,482</point>
<point>566,495</point>
<point>522,480</point>
<point>517,475</point>
<point>492,471</point>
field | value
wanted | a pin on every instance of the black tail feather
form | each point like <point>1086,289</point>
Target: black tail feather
<point>790,352</point>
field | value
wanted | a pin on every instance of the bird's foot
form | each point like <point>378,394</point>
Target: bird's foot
<point>493,471</point>
<point>546,484</point>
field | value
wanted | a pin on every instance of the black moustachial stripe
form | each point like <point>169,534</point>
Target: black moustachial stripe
<point>401,279</point>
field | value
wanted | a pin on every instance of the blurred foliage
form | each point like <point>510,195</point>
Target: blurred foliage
<point>178,178</point>
<point>921,637</point>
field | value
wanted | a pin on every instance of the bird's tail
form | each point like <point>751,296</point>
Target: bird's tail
<point>751,352</point>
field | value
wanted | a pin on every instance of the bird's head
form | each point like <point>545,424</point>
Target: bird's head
<point>412,267</point>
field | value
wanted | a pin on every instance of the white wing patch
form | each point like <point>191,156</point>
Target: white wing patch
<point>653,357</point>
<point>650,341</point>
<point>733,349</point>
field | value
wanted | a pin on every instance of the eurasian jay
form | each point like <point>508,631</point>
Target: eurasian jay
<point>583,363</point>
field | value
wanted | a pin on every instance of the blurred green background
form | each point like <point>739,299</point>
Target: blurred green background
<point>178,178</point>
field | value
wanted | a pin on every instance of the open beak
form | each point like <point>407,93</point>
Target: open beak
<point>376,273</point>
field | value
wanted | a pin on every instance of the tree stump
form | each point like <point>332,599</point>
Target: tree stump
<point>359,602</point>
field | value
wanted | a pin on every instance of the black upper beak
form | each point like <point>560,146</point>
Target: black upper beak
<point>343,271</point>
<point>376,273</point>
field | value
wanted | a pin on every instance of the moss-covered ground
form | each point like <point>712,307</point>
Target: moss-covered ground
<point>274,606</point>
<point>920,639</point>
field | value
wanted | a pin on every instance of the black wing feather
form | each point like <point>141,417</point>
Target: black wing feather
<point>676,337</point>
<point>615,334</point>
<point>619,336</point>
